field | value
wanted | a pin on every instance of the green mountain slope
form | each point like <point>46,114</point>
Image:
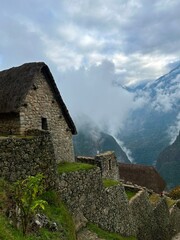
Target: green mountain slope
<point>168,163</point>
<point>88,144</point>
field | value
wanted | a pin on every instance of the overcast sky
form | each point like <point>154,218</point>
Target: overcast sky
<point>92,46</point>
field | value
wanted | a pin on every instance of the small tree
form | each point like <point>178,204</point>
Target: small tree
<point>26,196</point>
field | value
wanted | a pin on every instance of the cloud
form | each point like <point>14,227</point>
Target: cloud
<point>96,94</point>
<point>167,94</point>
<point>94,47</point>
<point>140,37</point>
<point>174,130</point>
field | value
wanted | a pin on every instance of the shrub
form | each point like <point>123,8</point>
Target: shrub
<point>26,196</point>
<point>175,193</point>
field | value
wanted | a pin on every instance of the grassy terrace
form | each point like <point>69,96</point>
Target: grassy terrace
<point>110,182</point>
<point>130,194</point>
<point>155,198</point>
<point>72,167</point>
<point>107,235</point>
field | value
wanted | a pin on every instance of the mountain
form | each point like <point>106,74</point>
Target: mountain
<point>89,143</point>
<point>150,128</point>
<point>168,163</point>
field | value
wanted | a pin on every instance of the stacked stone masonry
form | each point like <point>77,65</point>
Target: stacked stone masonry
<point>83,191</point>
<point>107,163</point>
<point>24,156</point>
<point>41,104</point>
<point>9,124</point>
<point>40,110</point>
<point>109,208</point>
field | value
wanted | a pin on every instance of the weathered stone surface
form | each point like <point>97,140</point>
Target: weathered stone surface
<point>162,218</point>
<point>175,219</point>
<point>107,163</point>
<point>107,207</point>
<point>42,221</point>
<point>142,212</point>
<point>9,124</point>
<point>24,156</point>
<point>85,234</point>
<point>177,237</point>
<point>41,103</point>
<point>40,109</point>
<point>152,222</point>
<point>80,221</point>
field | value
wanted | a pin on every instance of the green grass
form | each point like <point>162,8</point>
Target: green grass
<point>110,182</point>
<point>107,235</point>
<point>155,198</point>
<point>72,167</point>
<point>56,211</point>
<point>7,232</point>
<point>170,202</point>
<point>130,194</point>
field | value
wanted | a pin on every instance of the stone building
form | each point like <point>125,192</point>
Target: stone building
<point>106,161</point>
<point>29,99</point>
<point>145,176</point>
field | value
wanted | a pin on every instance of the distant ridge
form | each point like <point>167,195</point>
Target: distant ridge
<point>168,163</point>
<point>87,144</point>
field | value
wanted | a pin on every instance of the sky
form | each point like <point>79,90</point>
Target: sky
<point>93,47</point>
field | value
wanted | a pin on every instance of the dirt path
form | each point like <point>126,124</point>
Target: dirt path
<point>85,234</point>
<point>177,237</point>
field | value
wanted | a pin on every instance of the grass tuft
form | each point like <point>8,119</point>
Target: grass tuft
<point>107,235</point>
<point>56,211</point>
<point>130,194</point>
<point>72,167</point>
<point>110,182</point>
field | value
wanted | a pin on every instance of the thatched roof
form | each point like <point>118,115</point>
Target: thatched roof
<point>145,176</point>
<point>17,81</point>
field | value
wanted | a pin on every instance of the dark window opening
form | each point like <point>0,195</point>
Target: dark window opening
<point>44,123</point>
<point>110,165</point>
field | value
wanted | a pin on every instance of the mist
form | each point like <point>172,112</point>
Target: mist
<point>97,95</point>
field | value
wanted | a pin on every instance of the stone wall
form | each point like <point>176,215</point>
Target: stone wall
<point>9,124</point>
<point>41,103</point>
<point>84,192</point>
<point>152,221</point>
<point>107,163</point>
<point>142,211</point>
<point>175,219</point>
<point>24,156</point>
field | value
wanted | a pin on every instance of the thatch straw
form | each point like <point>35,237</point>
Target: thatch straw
<point>142,175</point>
